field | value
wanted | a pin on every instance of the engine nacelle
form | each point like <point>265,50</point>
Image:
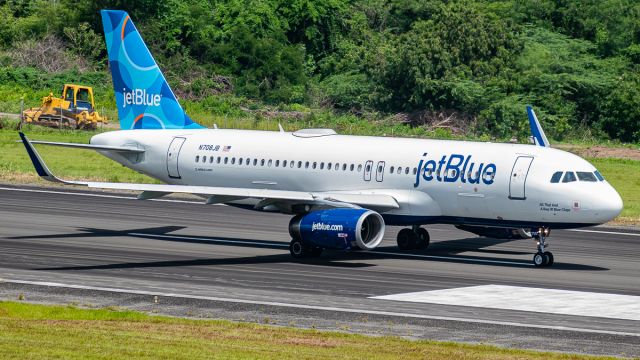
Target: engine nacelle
<point>341,228</point>
<point>497,233</point>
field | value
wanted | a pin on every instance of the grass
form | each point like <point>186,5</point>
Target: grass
<point>15,166</point>
<point>66,332</point>
<point>624,176</point>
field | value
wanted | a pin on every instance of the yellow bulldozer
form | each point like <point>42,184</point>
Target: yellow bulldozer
<point>74,109</point>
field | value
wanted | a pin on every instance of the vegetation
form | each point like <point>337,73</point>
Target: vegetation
<point>39,331</point>
<point>465,66</point>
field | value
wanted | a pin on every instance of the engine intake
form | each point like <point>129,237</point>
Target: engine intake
<point>339,228</point>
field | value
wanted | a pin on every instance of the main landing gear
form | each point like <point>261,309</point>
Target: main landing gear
<point>300,249</point>
<point>414,238</point>
<point>542,258</point>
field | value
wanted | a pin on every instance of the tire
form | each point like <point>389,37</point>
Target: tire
<point>297,249</point>
<point>549,257</point>
<point>423,239</point>
<point>539,259</point>
<point>406,239</point>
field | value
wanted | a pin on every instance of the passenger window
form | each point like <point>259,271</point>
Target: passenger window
<point>586,176</point>
<point>240,161</point>
<point>359,167</point>
<point>368,167</point>
<point>415,171</point>
<point>248,162</point>
<point>321,165</point>
<point>391,170</point>
<point>569,176</point>
<point>344,167</point>
<point>261,162</point>
<point>211,159</point>
<point>399,170</point>
<point>299,164</point>
<point>406,171</point>
<point>226,160</point>
<point>352,166</point>
<point>284,163</point>
<point>555,178</point>
<point>277,163</point>
<point>306,165</point>
<point>269,163</point>
<point>197,158</point>
<point>233,161</point>
<point>598,175</point>
<point>315,164</point>
<point>255,162</point>
<point>329,166</point>
<point>291,164</point>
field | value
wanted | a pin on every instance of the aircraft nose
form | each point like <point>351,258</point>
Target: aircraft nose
<point>609,204</point>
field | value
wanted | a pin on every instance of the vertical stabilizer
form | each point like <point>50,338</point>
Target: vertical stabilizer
<point>143,97</point>
<point>536,129</point>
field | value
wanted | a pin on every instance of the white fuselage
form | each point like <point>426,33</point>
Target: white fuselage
<point>434,181</point>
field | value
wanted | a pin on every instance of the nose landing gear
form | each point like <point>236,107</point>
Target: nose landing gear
<point>542,258</point>
<point>415,238</point>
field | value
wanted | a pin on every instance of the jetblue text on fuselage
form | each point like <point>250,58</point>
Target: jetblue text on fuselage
<point>453,168</point>
<point>140,97</point>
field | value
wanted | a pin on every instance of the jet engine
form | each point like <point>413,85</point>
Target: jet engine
<point>497,233</point>
<point>340,228</point>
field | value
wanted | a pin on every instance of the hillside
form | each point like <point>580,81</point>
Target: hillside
<point>459,67</point>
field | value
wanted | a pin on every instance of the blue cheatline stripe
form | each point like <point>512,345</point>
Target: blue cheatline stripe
<point>34,158</point>
<point>458,220</point>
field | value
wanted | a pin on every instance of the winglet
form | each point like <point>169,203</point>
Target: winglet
<point>41,167</point>
<point>539,137</point>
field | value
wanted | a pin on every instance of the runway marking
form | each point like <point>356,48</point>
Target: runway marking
<point>564,302</point>
<point>98,195</point>
<point>605,232</point>
<point>438,257</point>
<point>321,308</point>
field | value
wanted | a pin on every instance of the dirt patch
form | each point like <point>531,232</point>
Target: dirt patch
<point>603,152</point>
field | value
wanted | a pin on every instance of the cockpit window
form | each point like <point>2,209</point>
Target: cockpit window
<point>598,175</point>
<point>555,178</point>
<point>586,176</point>
<point>569,176</point>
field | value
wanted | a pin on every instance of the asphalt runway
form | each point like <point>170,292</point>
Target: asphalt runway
<point>183,258</point>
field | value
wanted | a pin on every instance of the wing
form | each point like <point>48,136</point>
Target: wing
<point>215,194</point>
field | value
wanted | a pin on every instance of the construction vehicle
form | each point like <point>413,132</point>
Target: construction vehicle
<point>74,109</point>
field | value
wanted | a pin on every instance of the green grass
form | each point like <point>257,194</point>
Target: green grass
<point>29,331</point>
<point>624,176</point>
<point>16,167</point>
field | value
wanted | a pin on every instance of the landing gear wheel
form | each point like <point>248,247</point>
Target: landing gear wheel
<point>549,258</point>
<point>300,250</point>
<point>539,259</point>
<point>406,239</point>
<point>423,238</point>
<point>297,249</point>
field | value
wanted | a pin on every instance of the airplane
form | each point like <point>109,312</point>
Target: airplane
<point>341,190</point>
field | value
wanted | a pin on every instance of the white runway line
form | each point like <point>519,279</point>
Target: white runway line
<point>605,232</point>
<point>322,308</point>
<point>564,302</point>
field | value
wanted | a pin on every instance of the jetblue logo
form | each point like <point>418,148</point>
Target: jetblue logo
<point>140,97</point>
<point>325,227</point>
<point>455,168</point>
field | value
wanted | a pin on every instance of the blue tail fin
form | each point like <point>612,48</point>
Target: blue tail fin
<point>143,97</point>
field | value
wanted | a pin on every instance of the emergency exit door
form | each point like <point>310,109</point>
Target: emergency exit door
<point>518,182</point>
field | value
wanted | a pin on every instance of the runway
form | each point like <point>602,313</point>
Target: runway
<point>217,261</point>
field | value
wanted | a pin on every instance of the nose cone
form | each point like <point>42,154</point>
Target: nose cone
<point>609,204</point>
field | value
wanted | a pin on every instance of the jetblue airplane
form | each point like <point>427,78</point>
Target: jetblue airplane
<point>341,190</point>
